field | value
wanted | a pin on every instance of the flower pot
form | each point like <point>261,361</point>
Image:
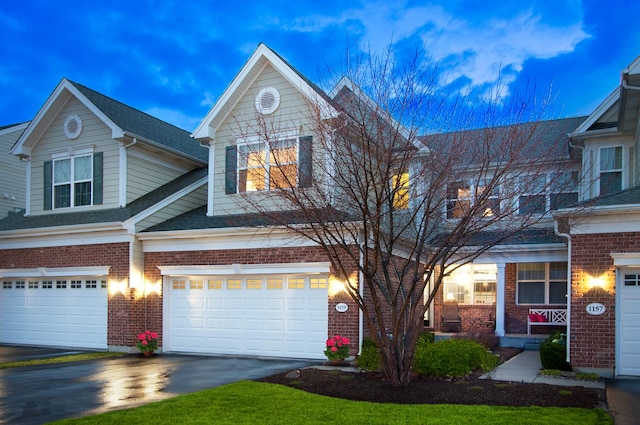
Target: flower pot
<point>336,362</point>
<point>147,353</point>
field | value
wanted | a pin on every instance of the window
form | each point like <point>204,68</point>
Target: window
<point>542,283</point>
<point>610,170</point>
<point>258,165</point>
<point>400,191</point>
<point>472,284</point>
<point>215,284</point>
<point>550,191</point>
<point>462,196</point>
<point>264,165</point>
<point>72,180</point>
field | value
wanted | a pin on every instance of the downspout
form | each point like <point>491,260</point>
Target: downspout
<point>210,178</point>
<point>568,237</point>
<point>123,181</point>
<point>361,291</point>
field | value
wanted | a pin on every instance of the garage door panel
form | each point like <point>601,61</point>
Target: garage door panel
<point>628,337</point>
<point>252,316</point>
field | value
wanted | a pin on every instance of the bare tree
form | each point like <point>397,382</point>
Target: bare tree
<point>399,192</point>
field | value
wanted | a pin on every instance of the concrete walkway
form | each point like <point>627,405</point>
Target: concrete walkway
<point>525,367</point>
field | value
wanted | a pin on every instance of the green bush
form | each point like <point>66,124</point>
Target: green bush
<point>553,353</point>
<point>452,358</point>
<point>369,358</point>
<point>426,338</point>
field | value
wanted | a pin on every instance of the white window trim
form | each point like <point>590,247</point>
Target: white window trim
<point>290,134</point>
<point>624,171</point>
<point>72,155</point>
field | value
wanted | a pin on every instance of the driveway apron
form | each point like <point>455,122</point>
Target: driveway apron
<point>40,394</point>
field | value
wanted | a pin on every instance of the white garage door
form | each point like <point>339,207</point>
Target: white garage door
<point>275,316</point>
<point>61,312</point>
<point>628,339</point>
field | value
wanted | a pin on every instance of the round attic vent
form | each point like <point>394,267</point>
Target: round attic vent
<point>267,100</point>
<point>73,126</point>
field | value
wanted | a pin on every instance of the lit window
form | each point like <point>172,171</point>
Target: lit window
<point>542,283</point>
<point>254,283</point>
<point>317,283</point>
<point>72,181</point>
<point>263,166</point>
<point>178,284</point>
<point>458,199</point>
<point>234,284</point>
<point>196,284</point>
<point>484,195</point>
<point>400,191</point>
<point>274,283</point>
<point>472,284</point>
<point>215,284</point>
<point>295,284</point>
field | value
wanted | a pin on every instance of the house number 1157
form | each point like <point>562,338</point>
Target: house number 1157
<point>596,309</point>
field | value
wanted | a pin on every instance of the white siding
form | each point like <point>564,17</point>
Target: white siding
<point>94,133</point>
<point>14,171</point>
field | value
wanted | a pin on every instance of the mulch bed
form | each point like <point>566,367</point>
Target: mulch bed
<point>370,386</point>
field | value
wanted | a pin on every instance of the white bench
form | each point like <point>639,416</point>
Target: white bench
<point>546,317</point>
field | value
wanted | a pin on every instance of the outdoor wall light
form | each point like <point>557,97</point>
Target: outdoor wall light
<point>117,287</point>
<point>336,286</point>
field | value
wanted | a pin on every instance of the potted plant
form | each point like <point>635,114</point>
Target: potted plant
<point>147,342</point>
<point>337,349</point>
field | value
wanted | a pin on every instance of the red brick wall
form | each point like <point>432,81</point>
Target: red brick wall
<point>345,324</point>
<point>123,313</point>
<point>593,337</point>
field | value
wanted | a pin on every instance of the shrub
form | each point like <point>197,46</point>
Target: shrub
<point>452,358</point>
<point>369,358</point>
<point>426,338</point>
<point>488,339</point>
<point>553,353</point>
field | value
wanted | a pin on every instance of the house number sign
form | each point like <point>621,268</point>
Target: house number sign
<point>596,309</point>
<point>342,307</point>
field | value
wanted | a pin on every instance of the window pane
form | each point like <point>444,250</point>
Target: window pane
<point>558,271</point>
<point>62,196</point>
<point>282,177</point>
<point>560,200</point>
<point>531,271</point>
<point>400,190</point>
<point>82,195</point>
<point>530,292</point>
<point>82,168</point>
<point>610,182</point>
<point>283,152</point>
<point>532,204</point>
<point>557,292</point>
<point>62,171</point>
<point>611,158</point>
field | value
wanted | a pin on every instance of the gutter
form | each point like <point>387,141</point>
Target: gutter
<point>568,237</point>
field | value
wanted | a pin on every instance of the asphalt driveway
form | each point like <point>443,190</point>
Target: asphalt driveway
<point>40,394</point>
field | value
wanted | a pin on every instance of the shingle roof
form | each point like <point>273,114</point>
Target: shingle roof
<point>524,237</point>
<point>629,196</point>
<point>547,135</point>
<point>111,215</point>
<point>144,125</point>
<point>197,219</point>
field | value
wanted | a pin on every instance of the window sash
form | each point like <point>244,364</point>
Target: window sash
<point>610,169</point>
<point>472,284</point>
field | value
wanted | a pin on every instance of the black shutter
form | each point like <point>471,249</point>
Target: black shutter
<point>97,178</point>
<point>305,159</point>
<point>231,165</point>
<point>48,168</point>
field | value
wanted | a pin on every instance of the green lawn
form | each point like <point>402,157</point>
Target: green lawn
<point>249,402</point>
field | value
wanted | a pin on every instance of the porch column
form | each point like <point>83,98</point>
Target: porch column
<point>500,290</point>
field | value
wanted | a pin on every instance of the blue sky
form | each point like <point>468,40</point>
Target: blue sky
<point>174,59</point>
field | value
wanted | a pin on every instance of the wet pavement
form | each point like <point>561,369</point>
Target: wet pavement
<point>40,394</point>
